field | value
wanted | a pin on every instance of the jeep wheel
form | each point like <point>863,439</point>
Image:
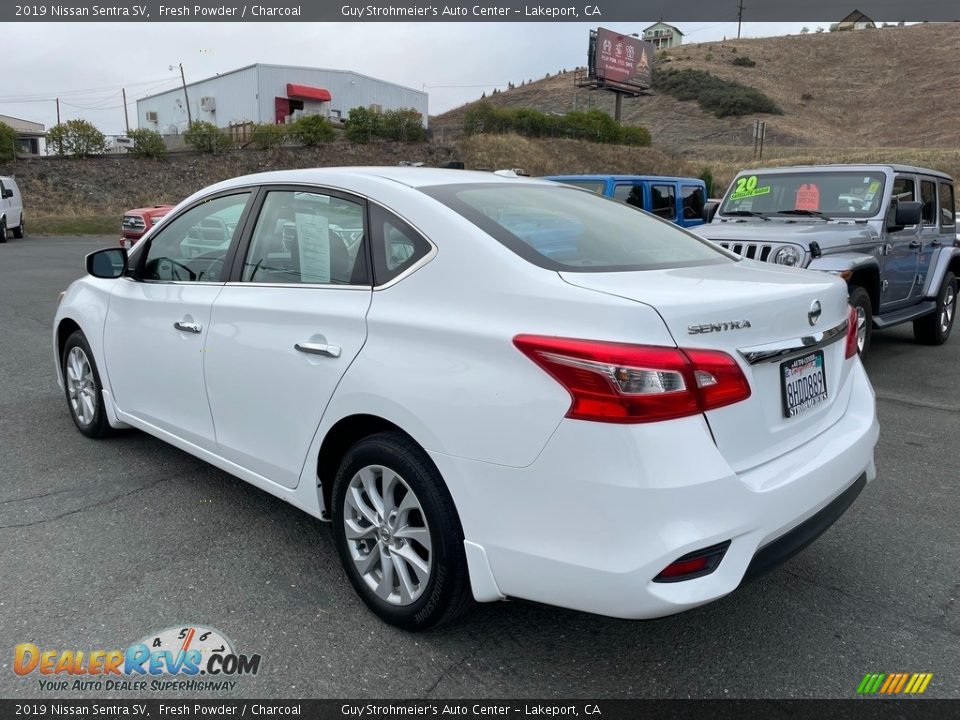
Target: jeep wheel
<point>934,329</point>
<point>860,301</point>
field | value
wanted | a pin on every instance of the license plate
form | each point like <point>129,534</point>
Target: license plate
<point>804,384</point>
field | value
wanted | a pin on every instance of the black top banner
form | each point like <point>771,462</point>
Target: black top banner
<point>594,11</point>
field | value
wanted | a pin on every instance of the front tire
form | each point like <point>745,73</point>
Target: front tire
<point>18,230</point>
<point>82,386</point>
<point>934,329</point>
<point>398,534</point>
<point>3,231</point>
<point>860,301</point>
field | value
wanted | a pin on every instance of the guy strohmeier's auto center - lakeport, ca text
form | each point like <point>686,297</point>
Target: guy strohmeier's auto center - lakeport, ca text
<point>254,10</point>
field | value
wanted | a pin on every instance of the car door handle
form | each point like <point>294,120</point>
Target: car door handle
<point>914,244</point>
<point>319,349</point>
<point>189,327</point>
<point>936,242</point>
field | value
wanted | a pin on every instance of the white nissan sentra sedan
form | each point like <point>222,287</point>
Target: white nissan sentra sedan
<point>492,386</point>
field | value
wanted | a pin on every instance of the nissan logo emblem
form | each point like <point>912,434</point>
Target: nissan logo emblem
<point>814,315</point>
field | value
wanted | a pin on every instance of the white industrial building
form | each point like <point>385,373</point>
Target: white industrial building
<point>273,93</point>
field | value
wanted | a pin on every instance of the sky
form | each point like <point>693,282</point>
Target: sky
<point>87,64</point>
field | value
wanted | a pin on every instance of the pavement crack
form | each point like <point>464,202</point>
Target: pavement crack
<point>886,609</point>
<point>453,666</point>
<point>91,506</point>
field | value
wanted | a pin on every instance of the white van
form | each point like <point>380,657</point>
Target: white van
<point>11,209</point>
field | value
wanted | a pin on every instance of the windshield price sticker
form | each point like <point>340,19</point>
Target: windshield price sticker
<point>747,187</point>
<point>808,197</point>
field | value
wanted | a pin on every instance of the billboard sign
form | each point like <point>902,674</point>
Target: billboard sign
<point>620,61</point>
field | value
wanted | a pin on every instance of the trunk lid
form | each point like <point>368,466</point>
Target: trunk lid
<point>734,308</point>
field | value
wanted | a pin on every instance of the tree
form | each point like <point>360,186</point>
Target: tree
<point>312,130</point>
<point>804,30</point>
<point>362,125</point>
<point>205,137</point>
<point>78,138</point>
<point>147,143</point>
<point>405,125</point>
<point>8,143</point>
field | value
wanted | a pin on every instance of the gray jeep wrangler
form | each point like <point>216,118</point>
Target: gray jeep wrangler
<point>888,230</point>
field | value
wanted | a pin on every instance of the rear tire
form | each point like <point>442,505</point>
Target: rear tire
<point>860,301</point>
<point>398,534</point>
<point>934,329</point>
<point>3,231</point>
<point>18,230</point>
<point>82,387</point>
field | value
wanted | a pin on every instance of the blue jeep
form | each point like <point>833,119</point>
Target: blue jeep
<point>678,199</point>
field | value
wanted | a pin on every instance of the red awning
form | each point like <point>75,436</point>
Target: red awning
<point>305,92</point>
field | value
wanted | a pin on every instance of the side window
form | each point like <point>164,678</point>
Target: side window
<point>194,246</point>
<point>396,245</point>
<point>948,210</point>
<point>903,189</point>
<point>629,194</point>
<point>664,201</point>
<point>307,238</point>
<point>693,201</point>
<point>928,196</point>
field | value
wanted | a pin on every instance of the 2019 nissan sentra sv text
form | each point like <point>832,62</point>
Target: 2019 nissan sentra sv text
<point>493,386</point>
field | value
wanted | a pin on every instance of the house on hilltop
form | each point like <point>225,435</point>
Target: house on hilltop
<point>854,21</point>
<point>663,36</point>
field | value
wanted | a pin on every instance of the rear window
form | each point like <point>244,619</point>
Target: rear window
<point>564,229</point>
<point>594,186</point>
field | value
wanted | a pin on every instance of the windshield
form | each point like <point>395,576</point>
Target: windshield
<point>824,193</point>
<point>560,228</point>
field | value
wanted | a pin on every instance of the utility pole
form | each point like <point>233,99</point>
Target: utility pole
<point>186,97</point>
<point>58,111</point>
<point>739,18</point>
<point>618,106</point>
<point>126,117</point>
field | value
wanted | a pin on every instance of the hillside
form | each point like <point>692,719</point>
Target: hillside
<point>869,88</point>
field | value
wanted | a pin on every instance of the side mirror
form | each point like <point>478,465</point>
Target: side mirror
<point>108,264</point>
<point>906,213</point>
<point>8,193</point>
<point>710,210</point>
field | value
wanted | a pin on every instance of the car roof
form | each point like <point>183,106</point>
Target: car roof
<point>848,166</point>
<point>628,178</point>
<point>414,177</point>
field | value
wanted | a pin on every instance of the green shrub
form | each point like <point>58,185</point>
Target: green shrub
<point>806,97</point>
<point>8,143</point>
<point>707,176</point>
<point>205,137</point>
<point>363,125</point>
<point>485,117</point>
<point>634,135</point>
<point>708,57</point>
<point>743,61</point>
<point>147,143</point>
<point>267,136</point>
<point>722,98</point>
<point>405,125</point>
<point>312,130</point>
<point>78,138</point>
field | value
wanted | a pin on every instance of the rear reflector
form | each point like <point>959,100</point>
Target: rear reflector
<point>693,565</point>
<point>852,344</point>
<point>620,383</point>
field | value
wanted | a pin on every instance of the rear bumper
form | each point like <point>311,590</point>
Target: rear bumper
<point>604,509</point>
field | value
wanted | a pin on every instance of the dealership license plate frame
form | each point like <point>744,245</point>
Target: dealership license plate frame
<point>795,366</point>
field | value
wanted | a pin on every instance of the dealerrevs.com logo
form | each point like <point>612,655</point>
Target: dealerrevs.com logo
<point>188,658</point>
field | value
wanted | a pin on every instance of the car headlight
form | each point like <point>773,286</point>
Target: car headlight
<point>788,255</point>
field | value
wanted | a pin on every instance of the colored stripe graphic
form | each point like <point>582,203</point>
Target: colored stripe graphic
<point>894,683</point>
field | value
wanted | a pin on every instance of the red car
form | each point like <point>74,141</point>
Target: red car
<point>136,223</point>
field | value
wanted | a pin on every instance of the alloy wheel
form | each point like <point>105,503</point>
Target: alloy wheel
<point>81,387</point>
<point>949,306</point>
<point>387,535</point>
<point>861,328</point>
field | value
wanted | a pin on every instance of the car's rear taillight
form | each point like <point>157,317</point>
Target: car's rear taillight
<point>852,345</point>
<point>620,383</point>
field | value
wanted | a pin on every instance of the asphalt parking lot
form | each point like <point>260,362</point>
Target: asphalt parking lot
<point>103,543</point>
